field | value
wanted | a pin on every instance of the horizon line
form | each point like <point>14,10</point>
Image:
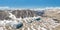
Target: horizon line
<point>40,8</point>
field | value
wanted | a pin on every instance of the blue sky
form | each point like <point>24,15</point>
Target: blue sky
<point>30,3</point>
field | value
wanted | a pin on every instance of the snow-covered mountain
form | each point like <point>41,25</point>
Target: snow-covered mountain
<point>46,19</point>
<point>19,13</point>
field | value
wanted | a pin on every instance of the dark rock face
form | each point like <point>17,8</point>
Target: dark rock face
<point>24,13</point>
<point>3,15</point>
<point>40,13</point>
<point>19,25</point>
<point>38,19</point>
<point>7,18</point>
<point>57,21</point>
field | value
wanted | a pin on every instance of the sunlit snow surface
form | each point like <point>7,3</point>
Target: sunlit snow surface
<point>43,24</point>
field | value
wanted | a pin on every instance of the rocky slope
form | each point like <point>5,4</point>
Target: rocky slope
<point>54,14</point>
